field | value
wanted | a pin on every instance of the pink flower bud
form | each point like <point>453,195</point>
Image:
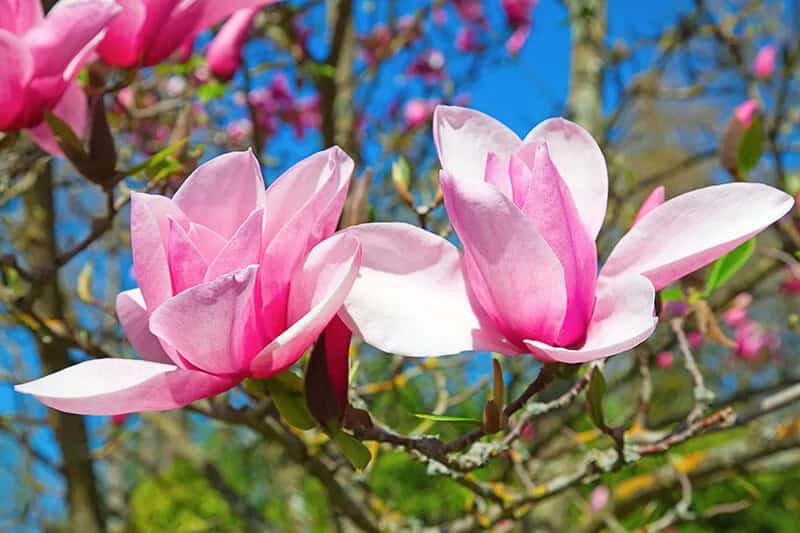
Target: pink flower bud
<point>417,112</point>
<point>653,200</point>
<point>745,112</point>
<point>665,359</point>
<point>764,63</point>
<point>695,339</point>
<point>225,51</point>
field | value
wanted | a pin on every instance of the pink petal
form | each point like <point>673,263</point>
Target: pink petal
<point>548,204</point>
<point>223,192</point>
<point>303,206</point>
<point>122,44</point>
<point>118,386</point>
<point>243,249</point>
<point>497,173</point>
<point>186,265</point>
<point>520,272</point>
<point>18,16</point>
<point>653,200</point>
<point>208,323</point>
<point>295,190</point>
<point>582,166</point>
<point>73,110</point>
<point>225,52</point>
<point>67,29</point>
<point>150,221</point>
<point>134,317</point>
<point>208,242</point>
<point>693,229</point>
<point>317,293</point>
<point>464,137</point>
<point>17,71</point>
<point>623,318</point>
<point>215,11</point>
<point>413,304</point>
<point>172,31</point>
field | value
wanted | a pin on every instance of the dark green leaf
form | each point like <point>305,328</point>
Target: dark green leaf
<point>447,418</point>
<point>750,147</point>
<point>353,449</point>
<point>289,401</point>
<point>726,266</point>
<point>67,140</point>
<point>594,398</point>
<point>498,386</point>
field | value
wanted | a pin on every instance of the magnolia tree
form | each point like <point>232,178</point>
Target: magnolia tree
<point>243,235</point>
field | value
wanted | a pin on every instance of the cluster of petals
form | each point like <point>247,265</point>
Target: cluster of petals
<point>753,339</point>
<point>527,213</point>
<point>41,57</point>
<point>234,281</point>
<point>147,32</point>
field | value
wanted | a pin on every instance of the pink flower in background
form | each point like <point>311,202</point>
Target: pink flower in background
<point>791,281</point>
<point>695,339</point>
<point>746,111</point>
<point>764,63</point>
<point>40,58</point>
<point>278,102</point>
<point>225,52</point>
<point>754,341</point>
<point>519,14</point>
<point>470,10</point>
<point>234,281</point>
<point>467,40</point>
<point>429,65</point>
<point>599,498</point>
<point>665,359</point>
<point>417,111</point>
<point>148,31</point>
<point>527,213</point>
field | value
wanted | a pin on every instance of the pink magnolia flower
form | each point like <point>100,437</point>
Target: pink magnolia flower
<point>470,10</point>
<point>467,40</point>
<point>40,58</point>
<point>417,111</point>
<point>527,213</point>
<point>148,31</point>
<point>429,65</point>
<point>234,281</point>
<point>519,16</point>
<point>746,111</point>
<point>764,62</point>
<point>225,52</point>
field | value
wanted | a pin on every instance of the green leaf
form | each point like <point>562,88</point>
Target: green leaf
<point>447,418</point>
<point>672,293</point>
<point>594,398</point>
<point>353,449</point>
<point>210,91</point>
<point>498,386</point>
<point>726,266</point>
<point>750,147</point>
<point>67,140</point>
<point>157,160</point>
<point>289,401</point>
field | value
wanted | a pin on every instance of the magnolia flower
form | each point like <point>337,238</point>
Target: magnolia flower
<point>519,16</point>
<point>527,213</point>
<point>653,200</point>
<point>764,63</point>
<point>149,31</point>
<point>599,498</point>
<point>417,111</point>
<point>225,51</point>
<point>234,281</point>
<point>40,58</point>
